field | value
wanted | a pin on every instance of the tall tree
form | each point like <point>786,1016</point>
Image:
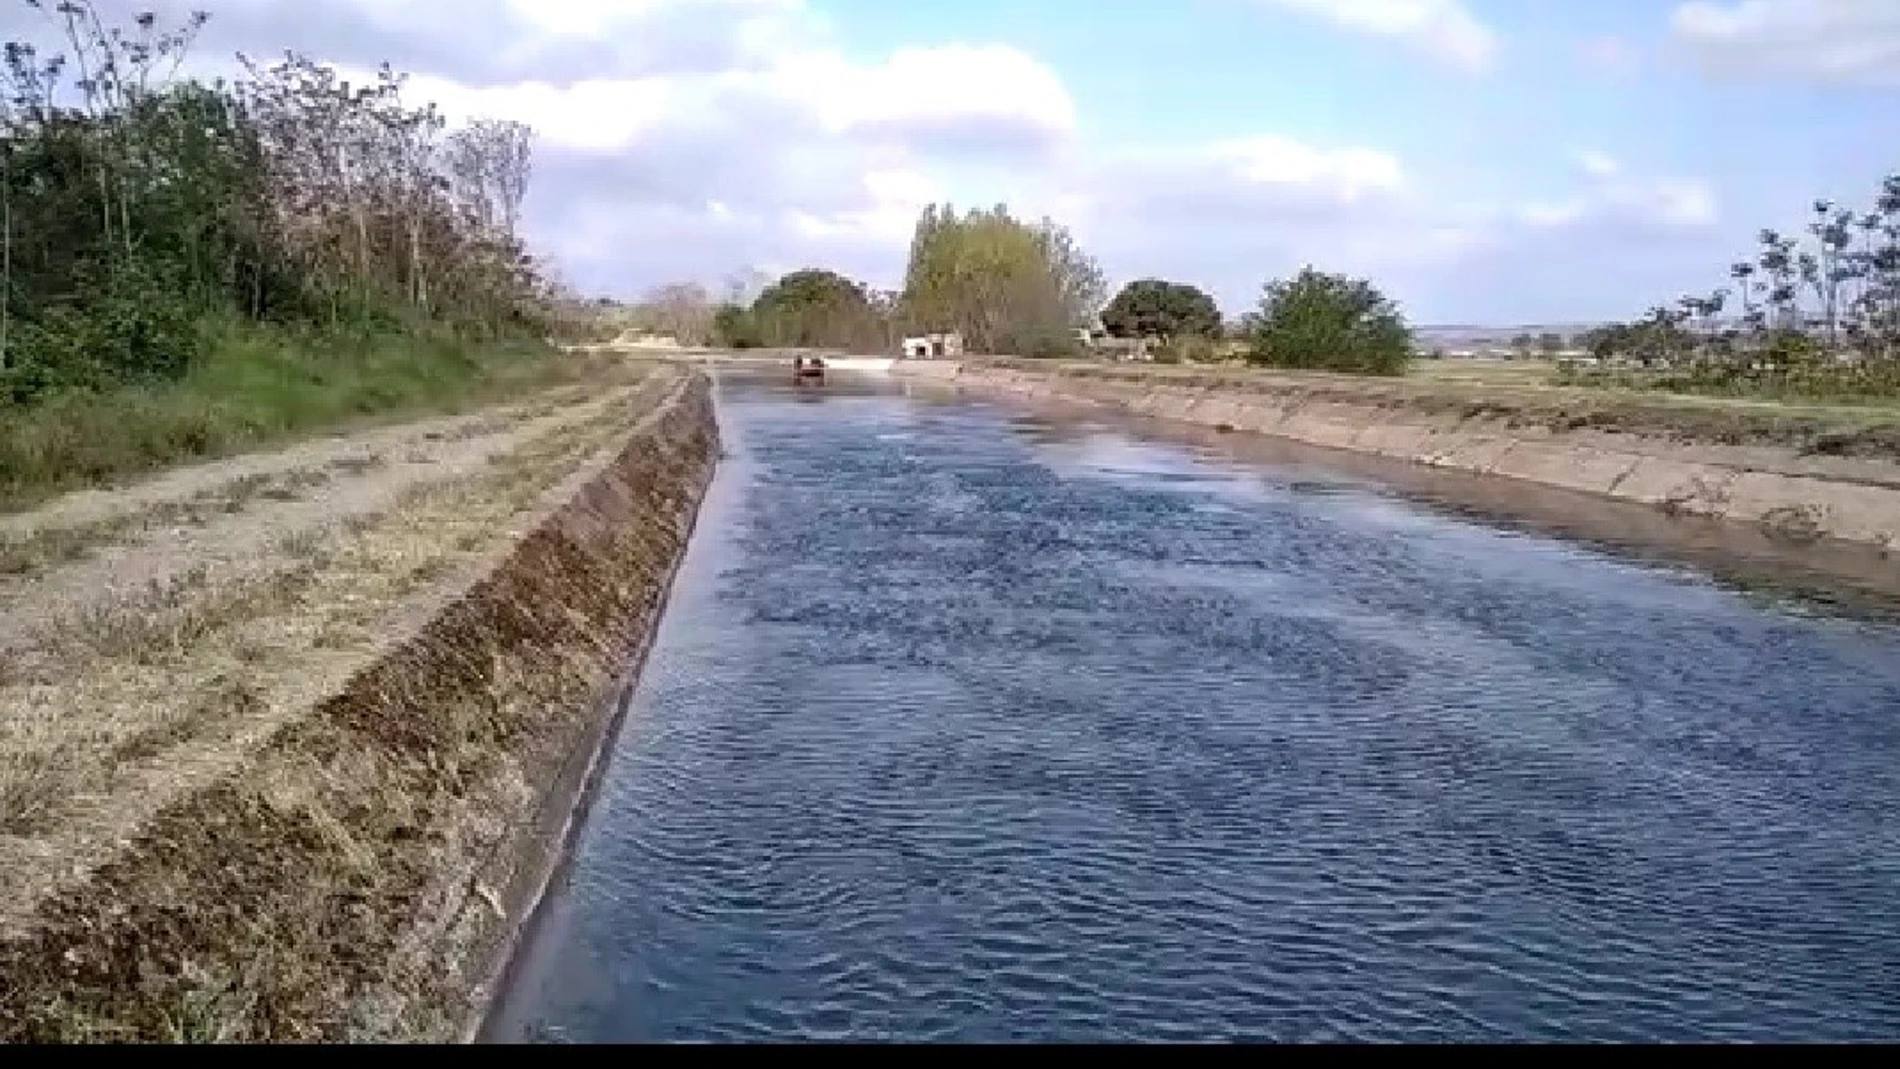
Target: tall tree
<point>1006,285</point>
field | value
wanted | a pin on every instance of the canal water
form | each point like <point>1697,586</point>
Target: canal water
<point>971,723</point>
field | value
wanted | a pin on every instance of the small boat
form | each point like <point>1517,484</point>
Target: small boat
<point>804,370</point>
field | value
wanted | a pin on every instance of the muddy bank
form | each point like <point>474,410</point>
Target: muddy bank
<point>1788,492</point>
<point>362,874</point>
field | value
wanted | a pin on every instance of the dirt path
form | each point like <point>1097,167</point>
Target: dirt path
<point>151,637</point>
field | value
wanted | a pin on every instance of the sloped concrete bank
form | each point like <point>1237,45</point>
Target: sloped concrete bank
<point>1785,492</point>
<point>366,873</point>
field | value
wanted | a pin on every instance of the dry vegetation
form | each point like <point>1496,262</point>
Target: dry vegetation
<point>152,642</point>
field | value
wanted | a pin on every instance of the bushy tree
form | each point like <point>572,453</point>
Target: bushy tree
<point>1330,322</point>
<point>815,308</point>
<point>1153,308</point>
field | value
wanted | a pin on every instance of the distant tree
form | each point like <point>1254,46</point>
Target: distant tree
<point>1550,343</point>
<point>816,308</point>
<point>1153,308</point>
<point>683,310</point>
<point>743,286</point>
<point>734,328</point>
<point>1330,322</point>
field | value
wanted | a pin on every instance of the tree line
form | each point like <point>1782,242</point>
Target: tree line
<point>1023,288</point>
<point>1816,312</point>
<point>136,207</point>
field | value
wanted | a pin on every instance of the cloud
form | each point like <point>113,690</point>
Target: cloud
<point>684,138</point>
<point>687,139</point>
<point>1232,214</point>
<point>1610,199</point>
<point>480,42</point>
<point>1841,41</point>
<point>1594,163</point>
<point>1444,29</point>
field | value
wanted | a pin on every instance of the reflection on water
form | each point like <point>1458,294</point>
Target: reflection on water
<point>965,725</point>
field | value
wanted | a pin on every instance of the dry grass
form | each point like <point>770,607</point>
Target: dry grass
<point>133,699</point>
<point>40,551</point>
<point>44,549</point>
<point>284,825</point>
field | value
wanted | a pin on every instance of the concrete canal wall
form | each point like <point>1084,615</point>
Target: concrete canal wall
<point>1786,492</point>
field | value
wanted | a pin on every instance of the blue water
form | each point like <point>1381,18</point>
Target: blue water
<point>959,728</point>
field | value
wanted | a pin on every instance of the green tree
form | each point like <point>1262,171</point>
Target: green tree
<point>1006,285</point>
<point>1330,322</point>
<point>734,328</point>
<point>136,209</point>
<point>816,308</point>
<point>1153,308</point>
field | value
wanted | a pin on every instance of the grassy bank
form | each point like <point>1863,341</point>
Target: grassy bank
<point>257,385</point>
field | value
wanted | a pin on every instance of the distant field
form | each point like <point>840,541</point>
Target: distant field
<point>1486,371</point>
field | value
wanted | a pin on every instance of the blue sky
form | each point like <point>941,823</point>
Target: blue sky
<point>1489,161</point>
<point>1611,76</point>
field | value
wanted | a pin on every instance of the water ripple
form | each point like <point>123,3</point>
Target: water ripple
<point>955,732</point>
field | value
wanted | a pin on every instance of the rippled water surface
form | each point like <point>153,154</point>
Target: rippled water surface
<point>968,726</point>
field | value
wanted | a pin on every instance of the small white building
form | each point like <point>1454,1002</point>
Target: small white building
<point>931,346</point>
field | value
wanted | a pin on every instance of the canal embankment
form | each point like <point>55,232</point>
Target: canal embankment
<point>1799,475</point>
<point>309,786</point>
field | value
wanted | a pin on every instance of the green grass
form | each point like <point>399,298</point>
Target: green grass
<point>258,386</point>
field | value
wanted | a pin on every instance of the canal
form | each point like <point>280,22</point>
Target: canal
<point>973,723</point>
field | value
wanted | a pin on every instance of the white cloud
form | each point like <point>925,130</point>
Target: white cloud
<point>685,139</point>
<point>1594,163</point>
<point>1850,41</point>
<point>893,199</point>
<point>1446,29</point>
<point>949,89</point>
<point>1233,214</point>
<point>1352,173</point>
<point>1610,198</point>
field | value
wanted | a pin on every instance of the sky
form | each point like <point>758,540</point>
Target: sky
<point>1484,161</point>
